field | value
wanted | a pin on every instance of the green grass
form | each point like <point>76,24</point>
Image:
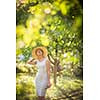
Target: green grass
<point>25,89</point>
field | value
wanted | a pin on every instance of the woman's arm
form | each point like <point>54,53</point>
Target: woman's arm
<point>32,62</point>
<point>48,70</point>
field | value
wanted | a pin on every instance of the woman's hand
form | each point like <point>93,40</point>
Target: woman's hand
<point>49,84</point>
<point>31,62</point>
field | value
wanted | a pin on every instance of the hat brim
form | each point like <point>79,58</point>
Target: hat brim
<point>45,53</point>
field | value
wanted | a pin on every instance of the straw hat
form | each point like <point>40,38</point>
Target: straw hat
<point>41,48</point>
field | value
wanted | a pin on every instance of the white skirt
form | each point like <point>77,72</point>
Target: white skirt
<point>41,83</point>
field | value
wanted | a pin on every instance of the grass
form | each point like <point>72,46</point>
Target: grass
<point>25,89</point>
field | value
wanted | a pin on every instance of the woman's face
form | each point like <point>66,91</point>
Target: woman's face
<point>39,52</point>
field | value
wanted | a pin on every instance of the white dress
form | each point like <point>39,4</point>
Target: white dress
<point>41,79</point>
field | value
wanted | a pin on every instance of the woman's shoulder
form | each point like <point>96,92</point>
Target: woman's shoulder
<point>47,60</point>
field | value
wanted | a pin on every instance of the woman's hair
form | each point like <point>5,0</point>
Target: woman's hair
<point>39,49</point>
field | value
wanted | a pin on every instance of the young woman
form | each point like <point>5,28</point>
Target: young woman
<point>42,80</point>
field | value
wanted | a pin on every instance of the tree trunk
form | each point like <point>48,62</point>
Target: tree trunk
<point>55,72</point>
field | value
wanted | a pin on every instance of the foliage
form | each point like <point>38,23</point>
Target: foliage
<point>57,25</point>
<point>54,24</point>
<point>25,88</point>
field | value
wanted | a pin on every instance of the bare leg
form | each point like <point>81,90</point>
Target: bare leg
<point>39,98</point>
<point>43,97</point>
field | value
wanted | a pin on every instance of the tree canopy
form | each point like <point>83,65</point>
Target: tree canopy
<point>55,24</point>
